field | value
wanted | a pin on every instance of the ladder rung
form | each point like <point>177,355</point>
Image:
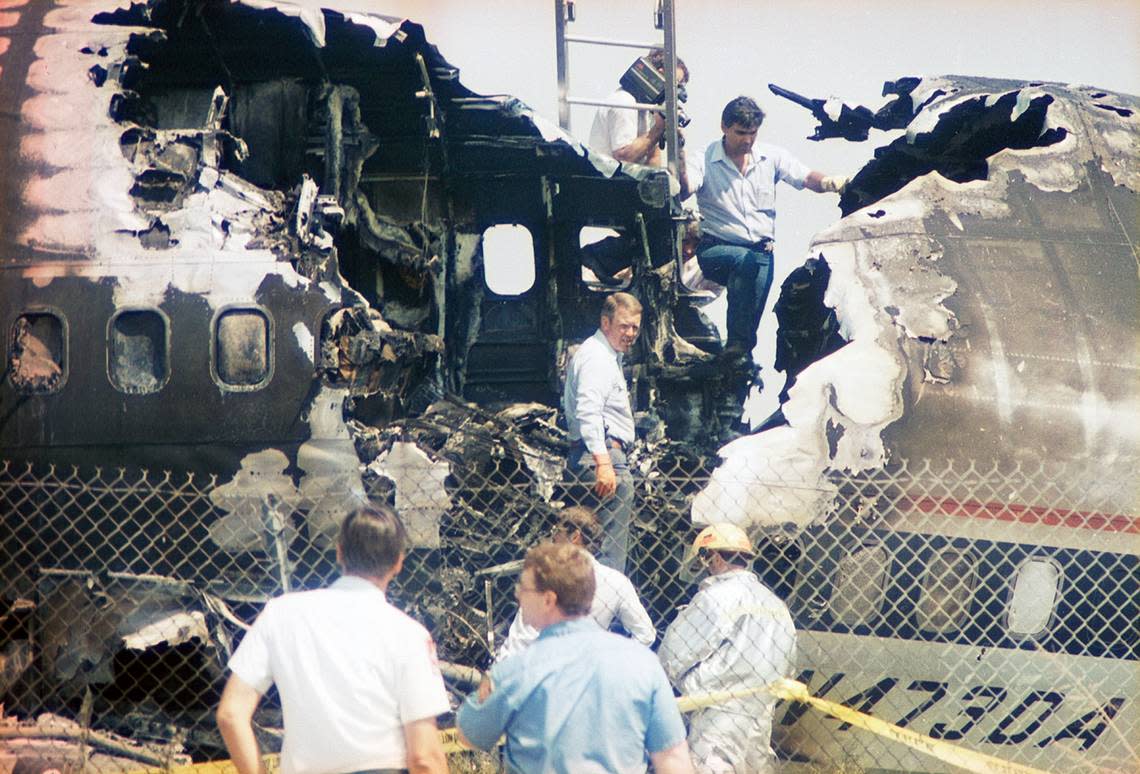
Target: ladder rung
<point>608,42</point>
<point>611,103</point>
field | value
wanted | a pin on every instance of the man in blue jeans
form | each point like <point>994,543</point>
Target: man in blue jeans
<point>736,191</point>
<point>599,417</point>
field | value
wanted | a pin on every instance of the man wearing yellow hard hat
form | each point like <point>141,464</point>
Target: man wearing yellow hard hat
<point>735,634</point>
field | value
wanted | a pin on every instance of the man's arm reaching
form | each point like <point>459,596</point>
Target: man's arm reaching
<point>821,183</point>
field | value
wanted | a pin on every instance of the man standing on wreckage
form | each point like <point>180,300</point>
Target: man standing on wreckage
<point>599,418</point>
<point>735,635</point>
<point>736,192</point>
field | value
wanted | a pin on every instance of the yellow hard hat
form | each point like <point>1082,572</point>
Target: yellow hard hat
<point>718,537</point>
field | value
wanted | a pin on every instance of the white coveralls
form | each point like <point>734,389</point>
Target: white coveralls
<point>735,634</point>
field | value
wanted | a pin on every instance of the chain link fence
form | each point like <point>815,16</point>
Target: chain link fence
<point>991,608</point>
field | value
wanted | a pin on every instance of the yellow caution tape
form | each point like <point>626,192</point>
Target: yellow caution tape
<point>963,758</point>
<point>791,690</point>
<point>450,739</point>
<point>270,764</point>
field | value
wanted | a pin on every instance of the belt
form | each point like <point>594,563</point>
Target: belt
<point>764,245</point>
<point>381,771</point>
<point>613,443</point>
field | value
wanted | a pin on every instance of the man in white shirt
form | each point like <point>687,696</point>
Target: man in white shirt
<point>359,683</point>
<point>614,595</point>
<point>736,191</point>
<point>599,418</point>
<point>633,135</point>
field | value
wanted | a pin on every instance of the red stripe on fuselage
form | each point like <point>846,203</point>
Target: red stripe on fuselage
<point>1024,514</point>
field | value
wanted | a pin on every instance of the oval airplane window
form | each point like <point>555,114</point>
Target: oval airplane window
<point>858,592</point>
<point>241,356</point>
<point>947,589</point>
<point>37,353</point>
<point>136,359</point>
<point>508,259</point>
<point>1033,597</point>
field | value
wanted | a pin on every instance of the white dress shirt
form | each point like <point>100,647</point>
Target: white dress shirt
<point>596,398</point>
<point>614,597</point>
<point>740,207</point>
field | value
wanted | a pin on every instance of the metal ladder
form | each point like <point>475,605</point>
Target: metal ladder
<point>664,20</point>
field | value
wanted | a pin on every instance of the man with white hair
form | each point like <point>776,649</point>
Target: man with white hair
<point>614,598</point>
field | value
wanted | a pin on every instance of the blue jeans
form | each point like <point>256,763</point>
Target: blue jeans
<point>747,273</point>
<point>615,511</point>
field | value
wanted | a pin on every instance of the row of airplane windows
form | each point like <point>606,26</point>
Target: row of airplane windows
<point>947,587</point>
<point>138,359</point>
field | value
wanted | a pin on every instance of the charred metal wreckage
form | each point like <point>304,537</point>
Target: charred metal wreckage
<point>272,269</point>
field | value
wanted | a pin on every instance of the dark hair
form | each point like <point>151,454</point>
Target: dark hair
<point>616,301</point>
<point>742,112</point>
<point>656,58</point>
<point>582,519</point>
<point>566,570</point>
<point>371,541</point>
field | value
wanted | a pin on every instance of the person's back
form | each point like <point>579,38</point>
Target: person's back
<point>350,718</point>
<point>748,624</point>
<point>614,128</point>
<point>359,683</point>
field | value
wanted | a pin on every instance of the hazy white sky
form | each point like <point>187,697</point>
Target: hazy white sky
<point>816,47</point>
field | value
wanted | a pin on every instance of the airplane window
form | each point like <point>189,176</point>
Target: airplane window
<point>508,259</point>
<point>606,257</point>
<point>1034,594</point>
<point>242,352</point>
<point>138,359</point>
<point>858,588</point>
<point>37,353</point>
<point>947,587</point>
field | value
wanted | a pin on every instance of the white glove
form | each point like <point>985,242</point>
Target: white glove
<point>834,183</point>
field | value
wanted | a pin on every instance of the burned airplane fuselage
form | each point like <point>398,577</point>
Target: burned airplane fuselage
<point>260,272</point>
<point>184,220</point>
<point>268,268</point>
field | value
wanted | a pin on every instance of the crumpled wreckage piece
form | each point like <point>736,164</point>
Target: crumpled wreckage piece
<point>56,743</point>
<point>365,354</point>
<point>119,610</point>
<point>421,496</point>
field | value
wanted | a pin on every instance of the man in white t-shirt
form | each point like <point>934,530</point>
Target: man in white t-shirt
<point>614,595</point>
<point>359,683</point>
<point>633,135</point>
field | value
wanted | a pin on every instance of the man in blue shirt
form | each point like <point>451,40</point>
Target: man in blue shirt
<point>599,418</point>
<point>579,700</point>
<point>736,191</point>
